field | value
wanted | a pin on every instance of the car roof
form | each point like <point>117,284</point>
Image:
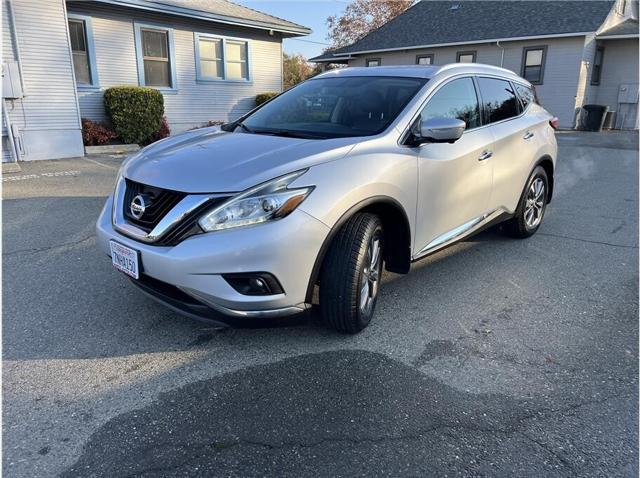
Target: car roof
<point>423,71</point>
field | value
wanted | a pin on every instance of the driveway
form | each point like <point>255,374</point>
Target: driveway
<point>493,357</point>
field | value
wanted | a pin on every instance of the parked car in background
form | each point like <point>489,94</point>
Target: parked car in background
<point>326,183</point>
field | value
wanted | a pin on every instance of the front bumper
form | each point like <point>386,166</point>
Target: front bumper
<point>286,248</point>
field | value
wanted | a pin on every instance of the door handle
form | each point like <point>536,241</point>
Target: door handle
<point>486,154</point>
<point>528,135</point>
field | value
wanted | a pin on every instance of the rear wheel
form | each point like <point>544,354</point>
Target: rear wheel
<point>351,273</point>
<point>531,207</point>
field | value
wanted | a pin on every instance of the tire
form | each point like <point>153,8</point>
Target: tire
<point>524,224</point>
<point>348,290</point>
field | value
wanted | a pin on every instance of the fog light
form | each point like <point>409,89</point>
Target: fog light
<point>254,283</point>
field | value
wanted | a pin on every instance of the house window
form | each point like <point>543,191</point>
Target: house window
<point>466,57</point>
<point>219,58</point>
<point>156,63</point>
<point>597,66</point>
<point>424,59</point>
<point>374,62</point>
<point>82,50</point>
<point>210,58</point>
<point>533,63</point>
<point>236,64</point>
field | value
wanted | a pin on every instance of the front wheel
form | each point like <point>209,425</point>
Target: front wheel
<point>351,273</point>
<point>531,207</point>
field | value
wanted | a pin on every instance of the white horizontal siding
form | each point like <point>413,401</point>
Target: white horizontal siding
<point>562,69</point>
<point>194,103</point>
<point>47,116</point>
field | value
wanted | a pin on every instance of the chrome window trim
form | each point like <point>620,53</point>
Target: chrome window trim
<point>179,212</point>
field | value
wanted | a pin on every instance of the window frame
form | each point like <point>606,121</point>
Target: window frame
<point>427,55</point>
<point>543,62</point>
<point>138,27</point>
<point>91,51</point>
<point>473,53</point>
<point>200,78</point>
<point>379,60</point>
<point>596,81</point>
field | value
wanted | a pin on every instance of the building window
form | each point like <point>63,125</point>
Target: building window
<point>597,66</point>
<point>219,58</point>
<point>156,63</point>
<point>210,60</point>
<point>82,50</point>
<point>424,59</point>
<point>236,64</point>
<point>533,63</point>
<point>466,57</point>
<point>374,62</point>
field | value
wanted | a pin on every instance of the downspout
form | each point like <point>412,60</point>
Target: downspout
<point>14,32</point>
<point>502,56</point>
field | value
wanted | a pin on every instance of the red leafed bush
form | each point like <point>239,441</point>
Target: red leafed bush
<point>94,134</point>
<point>163,132</point>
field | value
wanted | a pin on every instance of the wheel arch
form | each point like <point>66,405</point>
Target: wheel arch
<point>397,236</point>
<point>547,163</point>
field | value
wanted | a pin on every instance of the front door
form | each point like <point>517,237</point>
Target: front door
<point>454,180</point>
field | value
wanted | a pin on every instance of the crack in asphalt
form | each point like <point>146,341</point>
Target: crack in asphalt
<point>626,246</point>
<point>35,250</point>
<point>514,428</point>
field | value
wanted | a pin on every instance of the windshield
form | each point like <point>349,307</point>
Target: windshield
<point>335,107</point>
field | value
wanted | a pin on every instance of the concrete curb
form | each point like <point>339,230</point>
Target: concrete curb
<point>111,149</point>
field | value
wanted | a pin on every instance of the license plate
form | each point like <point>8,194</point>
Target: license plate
<point>125,259</point>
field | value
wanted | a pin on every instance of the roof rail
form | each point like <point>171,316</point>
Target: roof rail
<point>480,67</point>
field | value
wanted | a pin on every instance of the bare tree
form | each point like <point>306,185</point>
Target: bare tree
<point>361,17</point>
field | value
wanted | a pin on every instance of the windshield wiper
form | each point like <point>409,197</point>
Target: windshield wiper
<point>245,127</point>
<point>290,134</point>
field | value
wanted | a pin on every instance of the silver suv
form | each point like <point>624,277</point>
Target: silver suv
<point>324,184</point>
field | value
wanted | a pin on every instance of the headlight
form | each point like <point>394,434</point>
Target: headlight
<point>265,202</point>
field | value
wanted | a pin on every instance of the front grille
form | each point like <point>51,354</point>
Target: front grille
<point>161,201</point>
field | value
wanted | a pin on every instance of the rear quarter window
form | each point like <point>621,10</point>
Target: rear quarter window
<point>526,94</point>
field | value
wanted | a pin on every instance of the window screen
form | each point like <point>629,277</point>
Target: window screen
<point>533,64</point>
<point>236,60</point>
<point>499,99</point>
<point>78,37</point>
<point>155,51</point>
<point>210,50</point>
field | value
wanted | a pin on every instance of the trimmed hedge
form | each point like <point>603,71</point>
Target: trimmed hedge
<point>263,97</point>
<point>135,112</point>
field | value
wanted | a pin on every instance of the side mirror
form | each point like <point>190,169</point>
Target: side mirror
<point>440,130</point>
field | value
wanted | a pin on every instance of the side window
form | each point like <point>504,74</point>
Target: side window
<point>456,99</point>
<point>84,62</point>
<point>526,94</point>
<point>499,99</point>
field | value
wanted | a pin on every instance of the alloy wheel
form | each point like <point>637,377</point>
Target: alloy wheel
<point>534,206</point>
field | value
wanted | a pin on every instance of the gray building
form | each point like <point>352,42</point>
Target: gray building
<point>209,58</point>
<point>574,52</point>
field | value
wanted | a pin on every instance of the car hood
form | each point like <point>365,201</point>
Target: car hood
<point>211,161</point>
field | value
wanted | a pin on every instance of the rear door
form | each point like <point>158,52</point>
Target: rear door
<point>515,141</point>
<point>454,180</point>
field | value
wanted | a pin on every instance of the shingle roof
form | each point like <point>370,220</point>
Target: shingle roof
<point>217,10</point>
<point>628,27</point>
<point>433,22</point>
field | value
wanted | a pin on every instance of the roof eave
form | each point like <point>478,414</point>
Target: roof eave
<point>618,37</point>
<point>473,42</point>
<point>207,16</point>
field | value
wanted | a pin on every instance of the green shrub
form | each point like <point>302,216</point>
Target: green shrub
<point>263,97</point>
<point>135,112</point>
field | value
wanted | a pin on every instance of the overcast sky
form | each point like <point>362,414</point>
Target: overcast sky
<point>310,13</point>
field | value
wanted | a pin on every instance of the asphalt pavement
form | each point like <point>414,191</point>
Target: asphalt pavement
<point>495,357</point>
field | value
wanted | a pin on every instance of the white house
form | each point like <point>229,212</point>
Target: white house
<point>574,52</point>
<point>209,58</point>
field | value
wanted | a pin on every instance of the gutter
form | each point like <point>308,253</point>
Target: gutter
<point>471,42</point>
<point>617,37</point>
